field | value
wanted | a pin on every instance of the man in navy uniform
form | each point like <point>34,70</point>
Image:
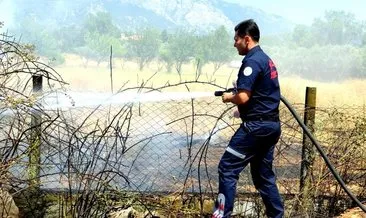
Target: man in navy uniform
<point>258,99</point>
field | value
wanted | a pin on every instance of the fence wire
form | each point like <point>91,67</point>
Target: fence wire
<point>95,155</point>
<point>172,146</point>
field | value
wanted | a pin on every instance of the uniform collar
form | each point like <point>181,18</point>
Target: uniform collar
<point>252,51</point>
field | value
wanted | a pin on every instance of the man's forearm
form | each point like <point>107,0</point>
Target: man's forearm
<point>239,98</point>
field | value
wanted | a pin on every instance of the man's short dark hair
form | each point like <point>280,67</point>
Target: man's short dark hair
<point>248,27</point>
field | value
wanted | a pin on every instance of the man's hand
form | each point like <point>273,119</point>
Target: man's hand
<point>241,97</point>
<point>227,97</point>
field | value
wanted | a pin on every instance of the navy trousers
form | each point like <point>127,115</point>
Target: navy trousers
<point>252,143</point>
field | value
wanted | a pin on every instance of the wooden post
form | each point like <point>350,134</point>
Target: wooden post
<point>110,68</point>
<point>306,182</point>
<point>35,140</point>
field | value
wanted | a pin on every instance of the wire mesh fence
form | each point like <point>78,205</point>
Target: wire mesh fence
<point>145,140</point>
<point>172,146</point>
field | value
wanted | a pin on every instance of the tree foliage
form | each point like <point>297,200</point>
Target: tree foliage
<point>143,45</point>
<point>216,47</point>
<point>46,43</point>
<point>331,48</point>
<point>99,35</point>
<point>335,28</point>
<point>221,47</point>
<point>324,63</point>
<point>101,23</point>
<point>182,47</point>
<point>98,46</point>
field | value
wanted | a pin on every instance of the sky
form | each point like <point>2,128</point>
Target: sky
<point>304,11</point>
<point>6,11</point>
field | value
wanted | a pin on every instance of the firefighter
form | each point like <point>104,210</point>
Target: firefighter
<point>258,99</point>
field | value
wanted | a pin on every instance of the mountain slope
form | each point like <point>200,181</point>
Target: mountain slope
<point>198,15</point>
<point>268,23</point>
<point>208,14</point>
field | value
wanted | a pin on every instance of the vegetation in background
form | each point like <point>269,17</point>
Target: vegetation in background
<point>331,48</point>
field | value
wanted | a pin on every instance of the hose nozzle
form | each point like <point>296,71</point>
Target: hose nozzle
<point>220,93</point>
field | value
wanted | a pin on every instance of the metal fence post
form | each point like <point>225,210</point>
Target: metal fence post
<point>35,140</point>
<point>306,182</point>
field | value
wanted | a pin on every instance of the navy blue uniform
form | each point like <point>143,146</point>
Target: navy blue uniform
<point>256,137</point>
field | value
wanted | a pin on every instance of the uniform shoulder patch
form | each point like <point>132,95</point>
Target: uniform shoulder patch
<point>248,71</point>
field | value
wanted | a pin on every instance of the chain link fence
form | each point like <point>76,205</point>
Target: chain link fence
<point>173,146</point>
<point>93,152</point>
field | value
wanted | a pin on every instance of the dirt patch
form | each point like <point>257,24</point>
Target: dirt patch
<point>353,213</point>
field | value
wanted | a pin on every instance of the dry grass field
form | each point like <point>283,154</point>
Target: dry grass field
<point>91,77</point>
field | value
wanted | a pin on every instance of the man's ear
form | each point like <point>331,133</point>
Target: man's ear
<point>247,39</point>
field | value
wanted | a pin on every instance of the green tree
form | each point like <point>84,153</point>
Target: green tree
<point>302,36</point>
<point>99,34</point>
<point>338,28</point>
<point>321,63</point>
<point>70,37</point>
<point>216,47</point>
<point>98,47</point>
<point>221,47</point>
<point>181,48</point>
<point>143,45</point>
<point>202,51</point>
<point>164,36</point>
<point>315,50</point>
<point>165,56</point>
<point>101,23</point>
<point>335,28</point>
<point>46,44</point>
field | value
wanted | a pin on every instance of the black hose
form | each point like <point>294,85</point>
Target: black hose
<point>322,153</point>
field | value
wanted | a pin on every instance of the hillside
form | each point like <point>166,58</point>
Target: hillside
<point>199,15</point>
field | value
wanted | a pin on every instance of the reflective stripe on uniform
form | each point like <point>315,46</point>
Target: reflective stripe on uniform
<point>235,153</point>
